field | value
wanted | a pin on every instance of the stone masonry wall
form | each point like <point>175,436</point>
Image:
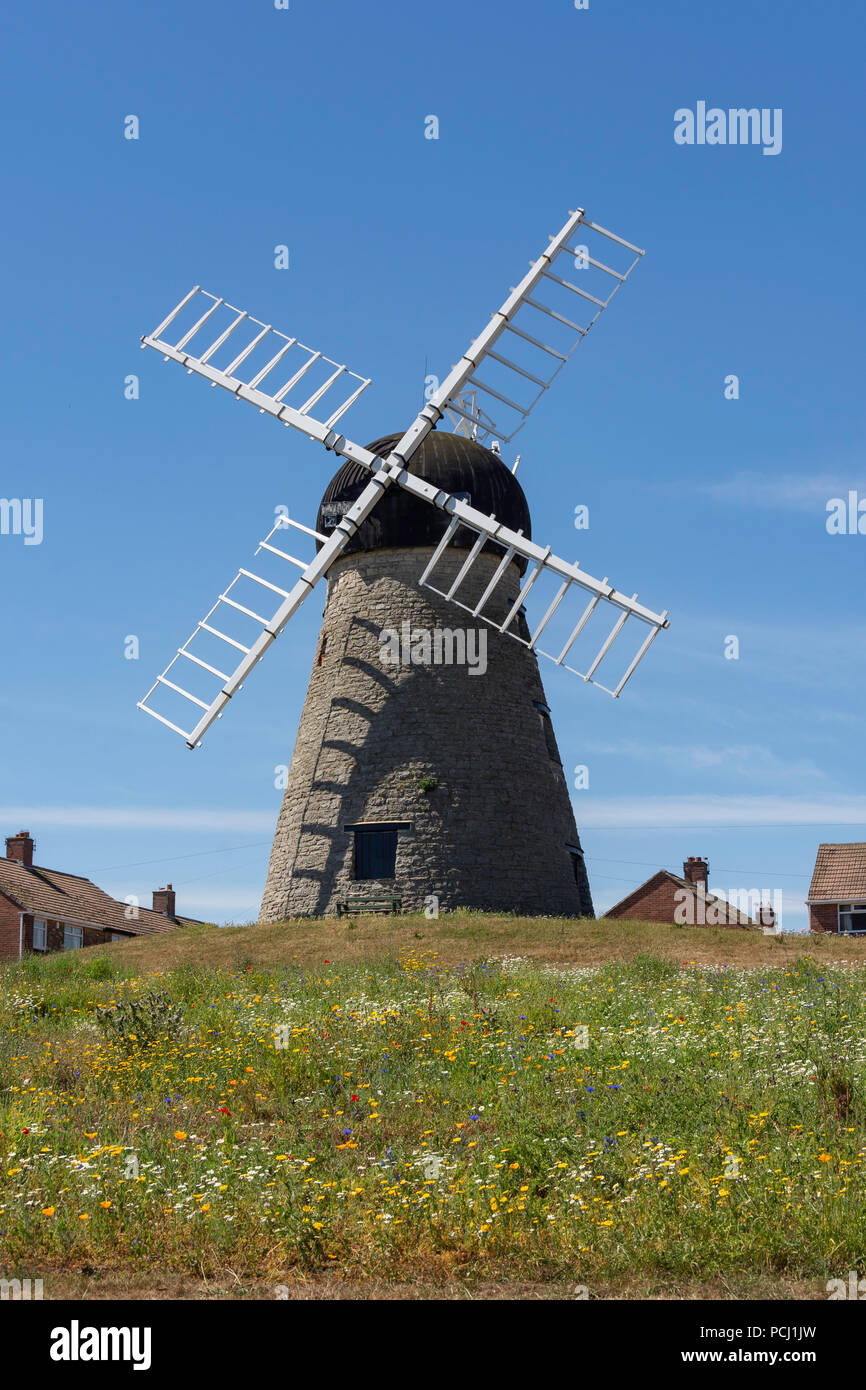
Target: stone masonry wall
<point>493,833</point>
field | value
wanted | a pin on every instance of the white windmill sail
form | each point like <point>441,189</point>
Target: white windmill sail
<point>275,372</point>
<point>258,364</point>
<point>563,580</point>
<point>210,647</point>
<point>544,332</point>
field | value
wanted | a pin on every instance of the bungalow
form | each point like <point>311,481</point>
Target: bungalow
<point>46,910</point>
<point>685,901</point>
<point>837,893</point>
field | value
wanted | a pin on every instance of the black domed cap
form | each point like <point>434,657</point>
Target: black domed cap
<point>451,462</point>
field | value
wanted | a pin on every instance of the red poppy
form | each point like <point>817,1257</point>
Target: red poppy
<point>354,1097</point>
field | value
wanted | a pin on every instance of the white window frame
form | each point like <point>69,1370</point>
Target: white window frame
<point>846,909</point>
<point>69,935</point>
<point>41,926</point>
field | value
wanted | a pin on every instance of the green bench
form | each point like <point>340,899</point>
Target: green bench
<point>349,905</point>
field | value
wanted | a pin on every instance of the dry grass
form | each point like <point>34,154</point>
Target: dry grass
<point>462,936</point>
<point>106,1285</point>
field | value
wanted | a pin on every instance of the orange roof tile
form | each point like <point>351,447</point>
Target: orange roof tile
<point>840,873</point>
<point>67,896</point>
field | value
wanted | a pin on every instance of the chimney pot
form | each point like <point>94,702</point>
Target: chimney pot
<point>20,848</point>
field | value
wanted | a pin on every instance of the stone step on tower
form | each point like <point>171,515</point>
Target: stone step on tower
<point>415,776</point>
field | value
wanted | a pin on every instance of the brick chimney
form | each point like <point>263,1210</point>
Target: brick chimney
<point>20,848</point>
<point>766,917</point>
<point>163,900</point>
<point>696,871</point>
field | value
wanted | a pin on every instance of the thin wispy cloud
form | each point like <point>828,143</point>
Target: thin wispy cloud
<point>693,811</point>
<point>144,818</point>
<point>795,492</point>
<point>738,760</point>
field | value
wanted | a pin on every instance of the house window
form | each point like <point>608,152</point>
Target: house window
<point>73,938</point>
<point>117,936</point>
<point>852,917</point>
<point>40,935</point>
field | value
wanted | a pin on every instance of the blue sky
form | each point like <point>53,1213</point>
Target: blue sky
<point>305,127</point>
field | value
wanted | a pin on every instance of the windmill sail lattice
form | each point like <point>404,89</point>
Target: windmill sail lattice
<point>250,633</point>
<point>543,327</point>
<point>259,364</point>
<point>567,580</point>
<point>304,389</point>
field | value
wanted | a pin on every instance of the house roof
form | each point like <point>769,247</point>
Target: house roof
<point>840,873</point>
<point>732,915</point>
<point>68,896</point>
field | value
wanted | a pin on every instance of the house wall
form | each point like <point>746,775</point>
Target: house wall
<point>9,923</point>
<point>93,936</point>
<point>657,902</point>
<point>654,903</point>
<point>824,917</point>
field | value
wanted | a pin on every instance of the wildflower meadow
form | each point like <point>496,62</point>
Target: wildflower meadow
<point>399,1119</point>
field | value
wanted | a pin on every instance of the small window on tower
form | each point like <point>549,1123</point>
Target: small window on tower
<point>578,866</point>
<point>375,854</point>
<point>322,649</point>
<point>547,725</point>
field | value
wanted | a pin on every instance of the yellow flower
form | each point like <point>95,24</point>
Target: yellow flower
<point>48,1211</point>
<point>205,1206</point>
<point>82,1216</point>
<point>179,1134</point>
<point>105,1204</point>
<point>823,1158</point>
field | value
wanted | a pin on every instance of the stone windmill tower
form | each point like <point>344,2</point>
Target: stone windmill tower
<point>425,765</point>
<point>496,830</point>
